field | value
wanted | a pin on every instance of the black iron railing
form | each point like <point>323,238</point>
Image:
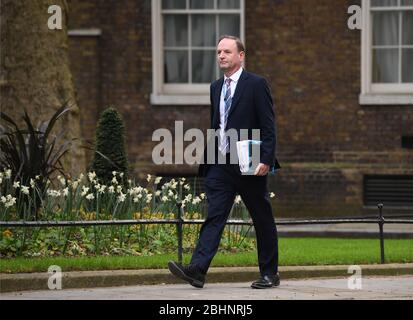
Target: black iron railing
<point>180,221</point>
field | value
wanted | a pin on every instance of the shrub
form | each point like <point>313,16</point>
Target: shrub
<point>110,152</point>
<point>32,155</point>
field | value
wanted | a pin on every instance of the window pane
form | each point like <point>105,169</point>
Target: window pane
<point>203,30</point>
<point>229,24</point>
<point>407,2</point>
<point>173,4</point>
<point>202,4</point>
<point>383,3</point>
<point>385,65</point>
<point>228,4</point>
<point>407,33</point>
<point>407,65</point>
<point>385,28</point>
<point>203,66</point>
<point>175,30</point>
<point>176,66</point>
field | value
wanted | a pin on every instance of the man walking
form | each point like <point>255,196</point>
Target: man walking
<point>239,100</point>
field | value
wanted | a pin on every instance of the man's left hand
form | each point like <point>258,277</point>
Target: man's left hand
<point>262,169</point>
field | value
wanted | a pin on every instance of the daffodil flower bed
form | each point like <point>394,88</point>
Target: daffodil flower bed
<point>85,198</point>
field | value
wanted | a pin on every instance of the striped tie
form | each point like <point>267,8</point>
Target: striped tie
<point>227,101</point>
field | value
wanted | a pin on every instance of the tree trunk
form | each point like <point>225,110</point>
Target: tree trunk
<point>35,72</point>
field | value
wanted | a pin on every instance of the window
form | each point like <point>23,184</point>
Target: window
<point>185,34</point>
<point>387,52</point>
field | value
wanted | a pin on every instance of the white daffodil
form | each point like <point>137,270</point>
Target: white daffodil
<point>122,197</point>
<point>8,173</point>
<point>11,202</point>
<point>158,193</point>
<point>25,190</point>
<point>121,174</point>
<point>202,195</point>
<point>101,189</point>
<point>66,191</point>
<point>91,175</point>
<point>3,199</point>
<point>16,184</point>
<point>170,193</point>
<point>37,177</point>
<point>164,199</point>
<point>119,189</point>
<point>32,183</point>
<point>272,195</point>
<point>111,189</point>
<point>75,184</point>
<point>148,178</point>
<point>158,179</point>
<point>114,173</point>
<point>53,193</point>
<point>114,180</point>
<point>62,181</point>
<point>237,199</point>
<point>90,196</point>
<point>187,187</point>
<point>85,190</point>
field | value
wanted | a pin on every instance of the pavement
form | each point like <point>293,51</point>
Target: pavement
<point>116,278</point>
<point>369,287</point>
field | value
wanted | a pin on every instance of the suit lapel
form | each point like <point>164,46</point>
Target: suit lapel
<point>238,92</point>
<point>216,101</point>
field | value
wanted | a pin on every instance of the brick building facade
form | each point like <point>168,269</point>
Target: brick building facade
<point>327,142</point>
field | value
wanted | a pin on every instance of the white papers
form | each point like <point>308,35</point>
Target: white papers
<point>248,155</point>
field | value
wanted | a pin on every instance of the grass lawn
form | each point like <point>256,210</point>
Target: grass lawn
<point>292,251</point>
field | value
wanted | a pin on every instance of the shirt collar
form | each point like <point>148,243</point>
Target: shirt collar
<point>235,76</point>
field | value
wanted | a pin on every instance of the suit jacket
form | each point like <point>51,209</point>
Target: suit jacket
<point>251,108</point>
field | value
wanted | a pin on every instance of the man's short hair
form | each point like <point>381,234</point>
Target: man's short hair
<point>240,45</point>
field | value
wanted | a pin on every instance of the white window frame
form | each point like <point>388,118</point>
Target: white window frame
<point>180,94</point>
<point>378,93</point>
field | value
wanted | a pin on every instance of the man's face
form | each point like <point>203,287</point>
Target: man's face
<point>229,59</point>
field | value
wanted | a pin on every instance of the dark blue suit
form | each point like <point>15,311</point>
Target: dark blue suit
<point>251,108</point>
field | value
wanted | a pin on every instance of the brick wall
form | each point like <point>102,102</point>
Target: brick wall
<point>326,140</point>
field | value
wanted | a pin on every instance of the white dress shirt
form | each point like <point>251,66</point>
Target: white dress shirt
<point>234,81</point>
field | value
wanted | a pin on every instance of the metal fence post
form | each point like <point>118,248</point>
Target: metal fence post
<point>381,223</point>
<point>179,231</point>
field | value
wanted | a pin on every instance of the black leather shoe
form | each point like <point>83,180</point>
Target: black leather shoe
<point>266,282</point>
<point>189,273</point>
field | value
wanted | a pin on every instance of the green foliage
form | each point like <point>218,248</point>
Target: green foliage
<point>132,240</point>
<point>110,152</point>
<point>32,155</point>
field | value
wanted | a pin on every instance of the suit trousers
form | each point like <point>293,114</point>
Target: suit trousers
<point>222,183</point>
